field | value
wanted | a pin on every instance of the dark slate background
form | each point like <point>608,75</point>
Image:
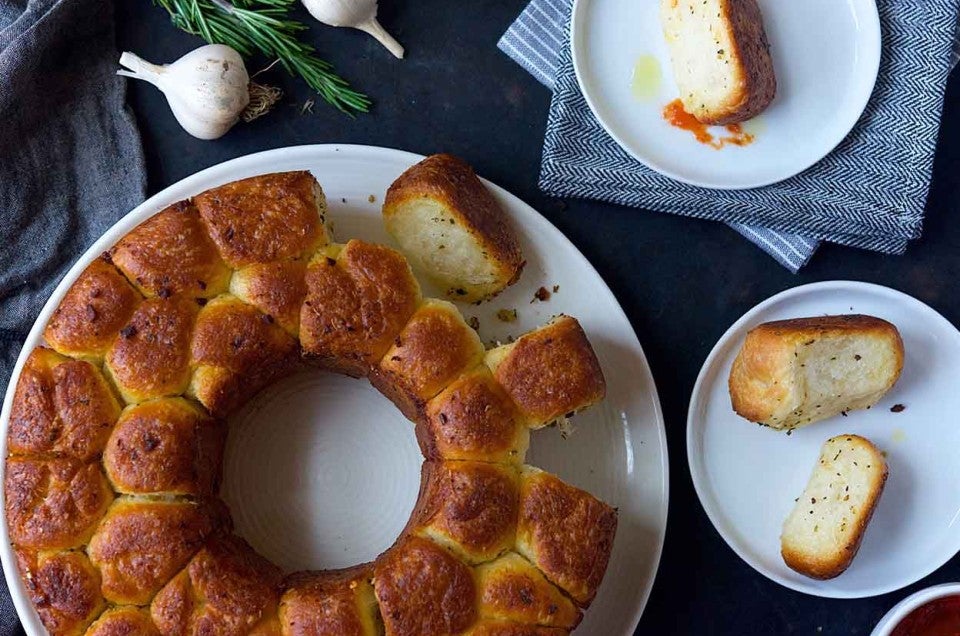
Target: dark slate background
<point>681,281</point>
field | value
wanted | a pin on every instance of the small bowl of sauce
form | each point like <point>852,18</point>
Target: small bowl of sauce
<point>934,611</point>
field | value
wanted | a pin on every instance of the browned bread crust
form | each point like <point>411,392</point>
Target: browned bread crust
<point>549,372</point>
<point>753,54</point>
<point>473,418</point>
<point>468,507</point>
<point>451,183</point>
<point>170,253</point>
<point>512,589</point>
<point>226,589</point>
<point>331,603</point>
<point>763,377</point>
<point>433,349</point>
<point>423,589</point>
<point>62,407</point>
<point>64,587</point>
<point>167,446</point>
<point>94,309</point>
<point>236,351</point>
<point>54,503</point>
<point>142,543</point>
<point>124,621</point>
<point>150,357</point>
<point>357,303</point>
<point>265,218</point>
<point>113,473</point>
<point>566,532</point>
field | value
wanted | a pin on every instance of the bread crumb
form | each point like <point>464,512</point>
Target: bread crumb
<point>898,408</point>
<point>507,315</point>
<point>542,294</point>
<point>371,198</point>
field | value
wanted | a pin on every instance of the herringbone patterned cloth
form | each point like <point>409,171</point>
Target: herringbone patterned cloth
<point>870,192</point>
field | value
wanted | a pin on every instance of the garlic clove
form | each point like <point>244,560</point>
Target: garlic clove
<point>207,89</point>
<point>359,14</point>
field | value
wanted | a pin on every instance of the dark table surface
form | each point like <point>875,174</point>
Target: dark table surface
<point>681,281</point>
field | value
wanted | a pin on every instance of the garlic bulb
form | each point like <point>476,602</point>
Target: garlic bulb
<point>359,14</point>
<point>207,89</point>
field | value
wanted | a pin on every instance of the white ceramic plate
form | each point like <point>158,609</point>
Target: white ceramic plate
<point>748,476</point>
<point>322,471</point>
<point>826,55</point>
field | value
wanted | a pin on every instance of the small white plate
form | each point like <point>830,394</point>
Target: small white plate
<point>321,471</point>
<point>748,476</point>
<point>826,55</point>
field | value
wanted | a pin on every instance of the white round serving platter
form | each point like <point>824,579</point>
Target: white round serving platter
<point>321,471</point>
<point>826,55</point>
<point>748,476</point>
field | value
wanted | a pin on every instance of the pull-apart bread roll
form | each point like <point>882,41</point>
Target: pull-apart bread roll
<point>721,58</point>
<point>823,533</point>
<point>452,229</point>
<point>332,603</point>
<point>791,373</point>
<point>117,432</point>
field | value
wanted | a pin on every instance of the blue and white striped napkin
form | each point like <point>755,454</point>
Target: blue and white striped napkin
<point>870,192</point>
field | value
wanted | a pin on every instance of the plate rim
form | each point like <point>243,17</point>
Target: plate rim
<point>577,50</point>
<point>699,477</point>
<point>224,172</point>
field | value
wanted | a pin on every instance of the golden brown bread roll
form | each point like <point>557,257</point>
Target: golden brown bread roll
<point>506,628</point>
<point>566,532</point>
<point>54,503</point>
<point>142,543</point>
<point>423,589</point>
<point>359,297</point>
<point>150,357</point>
<point>434,348</point>
<point>170,253</point>
<point>91,313</point>
<point>226,589</point>
<point>473,418</point>
<point>452,229</point>
<point>549,372</point>
<point>512,589</point>
<point>61,406</point>
<point>64,587</point>
<point>468,507</point>
<point>124,621</point>
<point>277,289</point>
<point>237,350</point>
<point>266,218</point>
<point>791,373</point>
<point>165,446</point>
<point>331,603</point>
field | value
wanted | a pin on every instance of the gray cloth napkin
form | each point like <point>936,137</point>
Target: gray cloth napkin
<point>70,160</point>
<point>870,192</point>
<point>70,157</point>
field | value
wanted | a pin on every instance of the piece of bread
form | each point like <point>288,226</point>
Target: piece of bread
<point>514,590</point>
<point>64,588</point>
<point>721,58</point>
<point>823,533</point>
<point>452,229</point>
<point>791,373</point>
<point>227,588</point>
<point>330,603</point>
<point>550,372</point>
<point>125,620</point>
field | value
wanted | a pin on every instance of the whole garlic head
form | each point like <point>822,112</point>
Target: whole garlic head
<point>207,89</point>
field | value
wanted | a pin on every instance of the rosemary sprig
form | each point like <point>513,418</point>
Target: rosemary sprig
<point>264,25</point>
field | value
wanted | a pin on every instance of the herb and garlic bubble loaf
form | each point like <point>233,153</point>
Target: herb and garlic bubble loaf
<point>118,425</point>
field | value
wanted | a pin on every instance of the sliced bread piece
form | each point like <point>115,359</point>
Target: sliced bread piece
<point>452,229</point>
<point>791,373</point>
<point>721,58</point>
<point>823,533</point>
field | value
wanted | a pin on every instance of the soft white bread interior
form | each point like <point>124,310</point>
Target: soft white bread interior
<point>721,58</point>
<point>452,229</point>
<point>791,373</point>
<point>823,533</point>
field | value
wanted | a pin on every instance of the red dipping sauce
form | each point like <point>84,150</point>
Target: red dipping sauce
<point>939,617</point>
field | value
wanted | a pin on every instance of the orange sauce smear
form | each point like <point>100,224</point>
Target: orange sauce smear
<point>940,617</point>
<point>676,116</point>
